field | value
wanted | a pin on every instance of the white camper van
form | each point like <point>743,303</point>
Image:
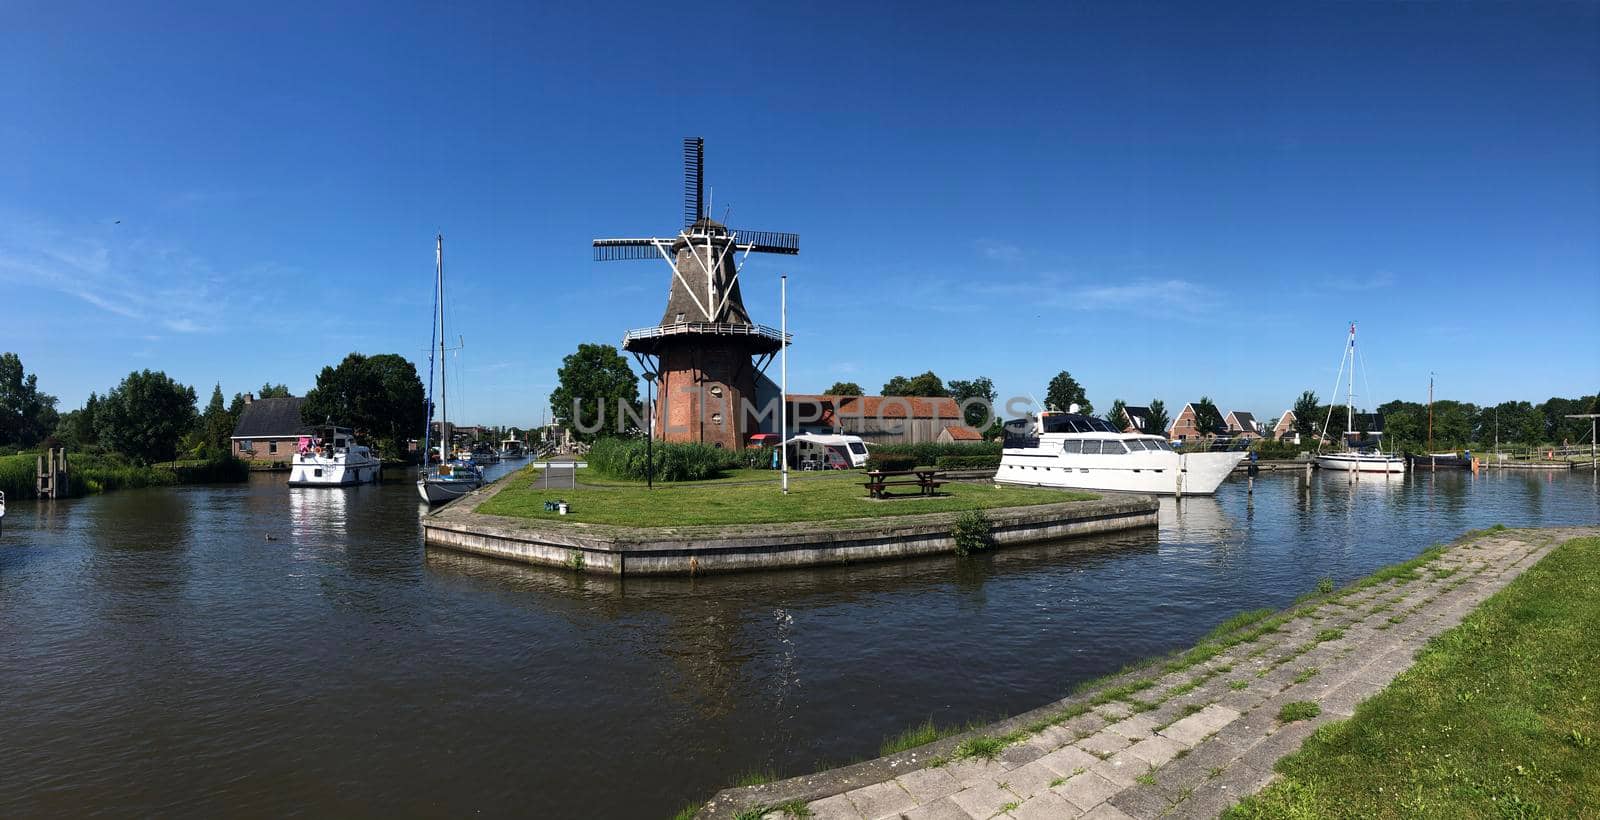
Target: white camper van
<point>817,451</point>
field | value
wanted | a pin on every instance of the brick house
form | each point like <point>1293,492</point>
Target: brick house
<point>268,431</point>
<point>876,419</point>
<point>1242,425</point>
<point>1138,420</point>
<point>1284,429</point>
<point>1183,427</point>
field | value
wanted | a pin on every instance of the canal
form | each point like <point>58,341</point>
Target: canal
<point>254,649</point>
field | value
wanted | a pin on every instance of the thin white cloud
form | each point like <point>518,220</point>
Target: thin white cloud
<point>156,284</point>
<point>999,251</point>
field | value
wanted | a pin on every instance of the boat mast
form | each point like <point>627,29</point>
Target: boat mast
<point>1350,394</point>
<point>444,408</point>
<point>1430,413</point>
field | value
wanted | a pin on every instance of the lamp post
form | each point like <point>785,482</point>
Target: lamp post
<point>783,387</point>
<point>649,430</point>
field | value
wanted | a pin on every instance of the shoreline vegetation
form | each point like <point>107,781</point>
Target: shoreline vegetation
<point>1500,715</point>
<point>94,474</point>
<point>1499,711</point>
<point>741,496</point>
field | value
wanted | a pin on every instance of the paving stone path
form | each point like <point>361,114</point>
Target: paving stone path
<point>1199,738</point>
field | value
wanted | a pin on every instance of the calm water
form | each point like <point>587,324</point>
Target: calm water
<point>159,654</point>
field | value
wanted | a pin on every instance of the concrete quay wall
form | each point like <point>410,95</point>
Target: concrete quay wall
<point>694,550</point>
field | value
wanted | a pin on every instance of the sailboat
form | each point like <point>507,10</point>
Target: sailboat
<point>1432,460</point>
<point>450,479</point>
<point>1356,459</point>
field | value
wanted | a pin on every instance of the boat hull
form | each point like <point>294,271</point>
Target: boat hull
<point>1164,473</point>
<point>1431,462</point>
<point>337,472</point>
<point>439,492</point>
<point>1361,463</point>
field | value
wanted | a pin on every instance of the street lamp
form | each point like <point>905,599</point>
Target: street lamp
<point>649,430</point>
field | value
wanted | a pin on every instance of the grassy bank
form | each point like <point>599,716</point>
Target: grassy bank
<point>88,474</point>
<point>1499,717</point>
<point>747,497</point>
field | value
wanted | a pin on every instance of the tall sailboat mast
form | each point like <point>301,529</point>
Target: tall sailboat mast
<point>1430,412</point>
<point>1350,393</point>
<point>444,394</point>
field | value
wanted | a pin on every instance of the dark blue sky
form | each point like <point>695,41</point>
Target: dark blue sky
<point>1166,200</point>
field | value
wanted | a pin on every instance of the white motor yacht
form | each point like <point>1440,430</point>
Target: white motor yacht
<point>1080,452</point>
<point>329,457</point>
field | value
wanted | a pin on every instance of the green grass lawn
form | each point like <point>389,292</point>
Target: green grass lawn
<point>1500,717</point>
<point>745,497</point>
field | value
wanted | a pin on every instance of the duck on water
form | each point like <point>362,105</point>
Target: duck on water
<point>1081,452</point>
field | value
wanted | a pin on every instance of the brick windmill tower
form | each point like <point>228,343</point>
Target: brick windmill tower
<point>706,349</point>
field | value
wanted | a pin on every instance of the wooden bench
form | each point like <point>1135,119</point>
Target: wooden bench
<point>926,481</point>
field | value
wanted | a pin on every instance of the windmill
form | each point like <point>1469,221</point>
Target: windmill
<point>705,350</point>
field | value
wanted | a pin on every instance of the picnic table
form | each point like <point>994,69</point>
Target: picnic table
<point>925,479</point>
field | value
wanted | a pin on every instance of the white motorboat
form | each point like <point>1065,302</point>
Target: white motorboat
<point>1356,459</point>
<point>1080,452</point>
<point>451,479</point>
<point>511,450</point>
<point>329,457</point>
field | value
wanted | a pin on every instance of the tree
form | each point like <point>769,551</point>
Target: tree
<point>926,384</point>
<point>273,391</point>
<point>146,416</point>
<point>26,415</point>
<point>1118,417</point>
<point>1306,414</point>
<point>1207,418</point>
<point>1064,391</point>
<point>968,393</point>
<point>1159,420</point>
<point>377,396</point>
<point>590,385</point>
<point>216,426</point>
<point>76,430</point>
<point>844,389</point>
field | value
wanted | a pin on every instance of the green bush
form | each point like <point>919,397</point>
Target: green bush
<point>626,459</point>
<point>891,461</point>
<point>968,462</point>
<point>88,474</point>
<point>929,452</point>
<point>972,532</point>
<point>1281,449</point>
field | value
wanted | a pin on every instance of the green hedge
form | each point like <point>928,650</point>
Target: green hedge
<point>892,461</point>
<point>1281,449</point>
<point>929,452</point>
<point>625,460</point>
<point>974,462</point>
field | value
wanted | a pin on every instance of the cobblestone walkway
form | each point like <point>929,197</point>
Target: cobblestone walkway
<point>1198,733</point>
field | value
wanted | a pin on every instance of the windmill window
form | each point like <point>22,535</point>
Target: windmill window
<point>680,317</point>
<point>716,418</point>
<point>716,390</point>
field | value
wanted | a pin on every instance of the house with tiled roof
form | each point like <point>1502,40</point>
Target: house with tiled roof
<point>876,419</point>
<point>959,434</point>
<point>268,431</point>
<point>1242,424</point>
<point>1138,420</point>
<point>1184,426</point>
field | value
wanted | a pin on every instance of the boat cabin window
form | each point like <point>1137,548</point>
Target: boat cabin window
<point>1072,445</point>
<point>1112,448</point>
<point>1075,423</point>
<point>1091,446</point>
